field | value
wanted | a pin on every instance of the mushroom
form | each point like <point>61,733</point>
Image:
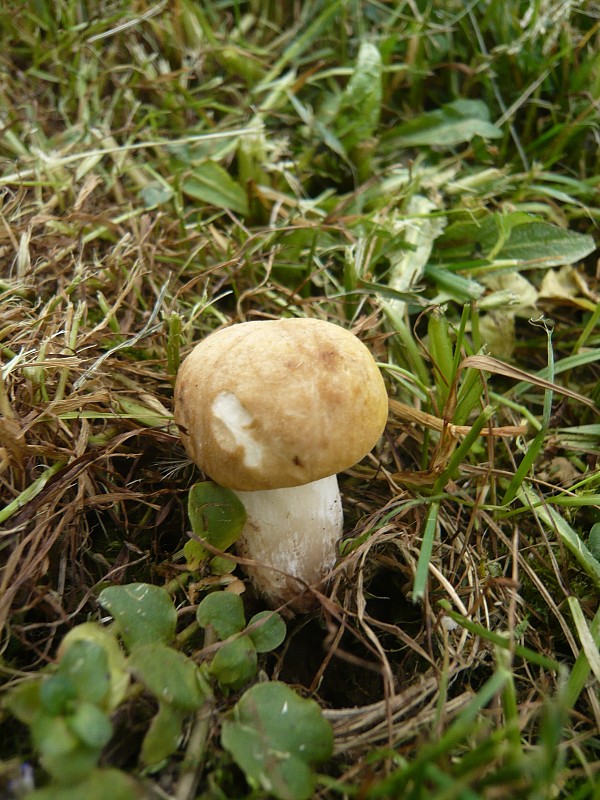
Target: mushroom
<point>273,410</point>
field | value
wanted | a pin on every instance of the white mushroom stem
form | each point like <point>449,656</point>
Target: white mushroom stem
<point>293,533</point>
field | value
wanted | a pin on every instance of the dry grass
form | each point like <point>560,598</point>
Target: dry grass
<point>104,287</point>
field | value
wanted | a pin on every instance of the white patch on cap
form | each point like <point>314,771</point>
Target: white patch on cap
<point>228,410</point>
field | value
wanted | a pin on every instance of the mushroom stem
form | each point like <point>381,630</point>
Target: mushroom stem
<point>293,533</point>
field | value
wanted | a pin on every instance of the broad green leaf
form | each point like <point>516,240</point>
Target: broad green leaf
<point>51,735</point>
<point>212,184</point>
<point>55,694</point>
<point>234,664</point>
<point>168,674</point>
<point>155,194</point>
<point>286,721</point>
<point>61,752</point>
<point>224,611</point>
<point>195,554</point>
<point>24,700</point>
<point>220,565</point>
<point>519,237</point>
<point>143,613</point>
<point>85,664</point>
<point>163,735</point>
<point>90,725</point>
<point>216,515</point>
<point>269,633</point>
<point>545,245</point>
<point>360,104</point>
<point>98,785</point>
<point>118,676</point>
<point>71,768</point>
<point>594,541</point>
<point>275,737</point>
<point>454,123</point>
<point>277,773</point>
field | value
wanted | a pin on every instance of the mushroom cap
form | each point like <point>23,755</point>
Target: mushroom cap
<point>279,403</point>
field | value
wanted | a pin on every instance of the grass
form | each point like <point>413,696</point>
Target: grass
<point>423,173</point>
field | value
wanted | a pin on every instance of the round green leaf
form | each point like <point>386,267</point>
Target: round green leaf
<point>234,663</point>
<point>221,565</point>
<point>97,785</point>
<point>216,514</point>
<point>210,183</point>
<point>143,613</point>
<point>155,194</point>
<point>287,722</point>
<point>69,769</point>
<point>224,611</point>
<point>55,694</point>
<point>168,674</point>
<point>90,725</point>
<point>163,735</point>
<point>195,554</point>
<point>118,676</point>
<point>269,632</point>
<point>277,773</point>
<point>85,664</point>
<point>51,736</point>
<point>24,700</point>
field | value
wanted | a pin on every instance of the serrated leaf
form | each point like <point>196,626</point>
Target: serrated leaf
<point>212,184</point>
<point>224,611</point>
<point>168,674</point>
<point>454,123</point>
<point>216,515</point>
<point>269,633</point>
<point>234,664</point>
<point>143,613</point>
<point>164,734</point>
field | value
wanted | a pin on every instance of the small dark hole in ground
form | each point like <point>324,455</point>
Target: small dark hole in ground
<point>353,676</point>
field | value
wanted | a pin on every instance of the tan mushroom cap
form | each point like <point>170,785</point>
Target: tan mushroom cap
<point>279,403</point>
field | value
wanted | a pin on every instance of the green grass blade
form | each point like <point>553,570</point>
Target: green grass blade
<point>581,669</point>
<point>461,728</point>
<point>569,538</point>
<point>30,492</point>
<point>536,445</point>
<point>500,641</point>
<point>420,584</point>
